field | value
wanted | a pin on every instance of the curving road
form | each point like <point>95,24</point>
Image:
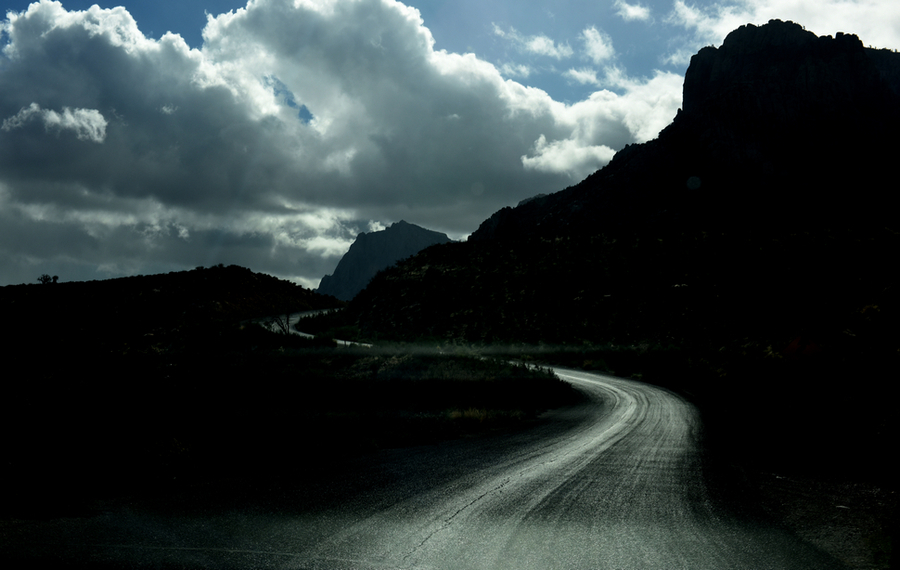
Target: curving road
<point>618,482</point>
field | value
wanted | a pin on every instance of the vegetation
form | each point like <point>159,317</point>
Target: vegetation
<point>712,312</point>
<point>135,394</point>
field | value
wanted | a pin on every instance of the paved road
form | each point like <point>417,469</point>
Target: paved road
<point>618,482</point>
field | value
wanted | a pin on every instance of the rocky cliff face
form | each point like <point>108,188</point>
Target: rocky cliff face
<point>777,124</point>
<point>786,76</point>
<point>765,209</point>
<point>372,252</point>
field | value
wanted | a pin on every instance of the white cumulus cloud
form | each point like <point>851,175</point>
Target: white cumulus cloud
<point>629,12</point>
<point>585,76</point>
<point>605,121</point>
<point>568,155</point>
<point>88,124</point>
<point>515,70</point>
<point>597,45</point>
<point>538,44</point>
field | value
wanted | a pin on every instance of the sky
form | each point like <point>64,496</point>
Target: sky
<point>142,137</point>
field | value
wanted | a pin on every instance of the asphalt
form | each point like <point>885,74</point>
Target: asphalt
<point>620,481</point>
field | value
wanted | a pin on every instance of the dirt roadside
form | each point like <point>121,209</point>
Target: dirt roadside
<point>854,522</point>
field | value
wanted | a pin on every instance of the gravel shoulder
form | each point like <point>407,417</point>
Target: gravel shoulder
<point>849,520</point>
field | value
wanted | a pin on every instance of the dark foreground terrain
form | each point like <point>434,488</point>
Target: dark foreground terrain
<point>619,480</point>
<point>147,383</point>
<point>229,446</point>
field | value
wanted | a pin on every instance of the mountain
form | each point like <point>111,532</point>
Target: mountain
<point>372,252</point>
<point>761,211</point>
<point>771,121</point>
<point>749,250</point>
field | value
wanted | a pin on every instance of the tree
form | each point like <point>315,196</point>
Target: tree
<point>283,323</point>
<point>46,279</point>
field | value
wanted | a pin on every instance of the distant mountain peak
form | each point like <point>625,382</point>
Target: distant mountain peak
<point>374,251</point>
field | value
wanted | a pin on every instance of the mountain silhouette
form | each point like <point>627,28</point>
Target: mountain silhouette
<point>771,122</point>
<point>763,210</point>
<point>748,251</point>
<point>372,252</point>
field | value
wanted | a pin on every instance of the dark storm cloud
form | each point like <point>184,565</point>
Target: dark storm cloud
<point>295,125</point>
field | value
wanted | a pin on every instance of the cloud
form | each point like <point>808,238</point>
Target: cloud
<point>88,124</point>
<point>629,12</point>
<point>568,155</point>
<point>597,45</point>
<point>515,70</point>
<point>585,76</point>
<point>295,126</point>
<point>540,44</point>
<point>606,121</point>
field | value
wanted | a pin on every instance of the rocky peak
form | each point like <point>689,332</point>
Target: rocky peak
<point>374,251</point>
<point>778,126</point>
<point>782,75</point>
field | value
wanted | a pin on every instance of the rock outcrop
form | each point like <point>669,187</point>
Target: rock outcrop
<point>372,252</point>
<point>764,210</point>
<point>776,124</point>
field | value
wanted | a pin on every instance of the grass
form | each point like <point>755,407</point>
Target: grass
<point>247,402</point>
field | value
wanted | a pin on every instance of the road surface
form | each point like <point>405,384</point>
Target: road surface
<point>618,482</point>
<point>294,318</point>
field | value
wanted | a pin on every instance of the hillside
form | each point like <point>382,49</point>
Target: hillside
<point>143,306</point>
<point>738,220</point>
<point>156,384</point>
<point>778,129</point>
<point>753,243</point>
